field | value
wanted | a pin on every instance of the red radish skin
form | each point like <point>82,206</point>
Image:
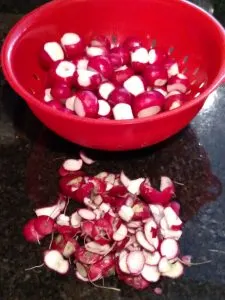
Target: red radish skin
<point>177,270</point>
<point>96,51</point>
<point>134,85</point>
<point>119,56</point>
<point>126,213</point>
<point>169,248</point>
<point>148,104</point>
<point>72,44</point>
<point>162,90</point>
<point>179,83</point>
<point>67,230</point>
<point>150,273</point>
<point>155,76</point>
<point>175,206</point>
<point>141,211</point>
<point>120,234</point>
<point>50,53</point>
<point>122,111</point>
<point>85,257</point>
<point>44,225</point>
<point>100,41</point>
<point>174,101</point>
<point>121,75</point>
<point>105,89</point>
<point>157,56</point>
<point>69,184</point>
<point>149,228</point>
<point>143,242</point>
<point>81,62</point>
<point>95,272</point>
<point>82,192</point>
<point>132,43</point>
<point>87,228</point>
<point>118,190</point>
<point>135,262</point>
<point>61,73</point>
<point>30,233</point>
<point>139,59</point>
<point>87,80</point>
<point>72,165</point>
<point>153,258</point>
<point>87,160</point>
<point>104,109</point>
<point>86,214</point>
<point>122,244</point>
<point>102,65</point>
<point>86,104</point>
<point>54,260</point>
<point>55,104</point>
<point>119,95</point>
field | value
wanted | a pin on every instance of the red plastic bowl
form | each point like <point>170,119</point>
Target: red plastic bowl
<point>172,23</point>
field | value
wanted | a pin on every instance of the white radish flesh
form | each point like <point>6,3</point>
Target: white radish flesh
<point>120,234</point>
<point>164,265</point>
<point>124,179</point>
<point>122,111</point>
<point>72,165</point>
<point>126,213</point>
<point>177,269</point>
<point>47,96</point>
<point>152,258</point>
<point>135,262</point>
<point>104,207</point>
<point>69,104</point>
<point>171,217</point>
<point>123,262</point>
<point>105,89</point>
<point>75,220</point>
<point>150,273</point>
<point>86,214</point>
<point>143,242</point>
<point>86,104</point>
<point>157,212</point>
<point>97,248</point>
<point>104,108</point>
<point>54,260</point>
<point>169,248</point>
<point>87,160</point>
<point>134,186</point>
<point>51,211</point>
<point>134,85</point>
<point>63,220</point>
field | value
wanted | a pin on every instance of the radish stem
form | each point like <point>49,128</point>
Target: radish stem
<point>217,251</point>
<point>35,267</point>
<point>52,238</point>
<point>67,203</point>
<point>195,264</point>
<point>104,287</point>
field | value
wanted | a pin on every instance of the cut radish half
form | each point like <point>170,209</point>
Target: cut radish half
<point>150,273</point>
<point>169,248</point>
<point>172,218</point>
<point>63,220</point>
<point>87,160</point>
<point>135,262</point>
<point>177,269</point>
<point>54,260</point>
<point>104,109</point>
<point>72,164</point>
<point>122,111</point>
<point>143,242</point>
<point>120,234</point>
<point>126,213</point>
<point>164,265</point>
<point>152,259</point>
<point>134,186</point>
<point>123,262</point>
<point>105,89</point>
<point>86,214</point>
<point>134,85</point>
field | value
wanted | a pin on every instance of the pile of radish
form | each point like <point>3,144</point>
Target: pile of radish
<point>100,79</point>
<point>124,227</point>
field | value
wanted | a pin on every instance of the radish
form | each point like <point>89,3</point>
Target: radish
<point>119,190</point>
<point>97,248</point>
<point>134,224</point>
<point>61,73</point>
<point>139,59</point>
<point>95,272</point>
<point>131,43</point>
<point>105,89</point>
<point>86,257</point>
<point>126,213</point>
<point>102,231</point>
<point>98,200</point>
<point>122,74</point>
<point>47,95</point>
<point>96,51</point>
<point>75,219</point>
<point>157,212</point>
<point>172,67</point>
<point>134,85</point>
<point>104,207</point>
<point>54,260</point>
<point>80,277</point>
<point>120,234</point>
<point>147,104</point>
<point>157,56</point>
<point>67,230</point>
<point>143,242</point>
<point>69,103</point>
<point>122,111</point>
<point>51,211</point>
<point>119,56</point>
<point>86,214</point>
<point>152,259</point>
<point>30,233</point>
<point>87,228</point>
<point>174,101</point>
<point>129,200</point>
<point>69,184</point>
<point>141,211</point>
<point>100,41</point>
<point>50,53</point>
<point>155,75</point>
<point>123,262</point>
<point>135,262</point>
<point>177,269</point>
<point>124,179</point>
<point>150,273</point>
<point>72,44</point>
<point>158,291</point>
<point>134,186</point>
<point>87,160</point>
<point>108,265</point>
<point>83,191</point>
<point>137,282</point>
<point>150,228</point>
<point>81,272</point>
<point>179,83</point>
<point>99,185</point>
<point>44,225</point>
<point>63,172</point>
<point>162,90</point>
<point>175,206</point>
<point>102,65</point>
<point>86,79</point>
<point>63,220</point>
<point>169,248</point>
<point>172,234</point>
<point>164,265</point>
<point>72,165</point>
<point>81,62</point>
<point>104,109</point>
<point>119,95</point>
<point>167,183</point>
<point>55,104</point>
<point>172,218</point>
<point>70,248</point>
<point>86,104</point>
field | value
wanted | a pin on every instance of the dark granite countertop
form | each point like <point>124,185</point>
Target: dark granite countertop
<point>30,156</point>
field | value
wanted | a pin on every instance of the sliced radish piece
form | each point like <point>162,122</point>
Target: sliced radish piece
<point>150,228</point>
<point>139,59</point>
<point>164,265</point>
<point>72,44</point>
<point>95,272</point>
<point>143,242</point>
<point>54,260</point>
<point>134,186</point>
<point>175,206</point>
<point>69,103</point>
<point>124,179</point>
<point>152,258</point>
<point>86,257</point>
<point>174,101</point>
<point>51,211</point>
<point>148,104</point>
<point>135,262</point>
<point>177,270</point>
<point>105,89</point>
<point>104,109</point>
<point>134,85</point>
<point>96,51</point>
<point>86,214</point>
<point>88,202</point>
<point>50,53</point>
<point>81,269</point>
<point>75,220</point>
<point>70,248</point>
<point>172,67</point>
<point>98,200</point>
<point>123,262</point>
<point>97,248</point>
<point>179,83</point>
<point>122,111</point>
<point>81,63</point>
<point>157,212</point>
<point>169,248</point>
<point>80,277</point>
<point>102,65</point>
<point>134,224</point>
<point>173,234</point>
<point>47,96</point>
<point>87,160</point>
<point>126,213</point>
<point>120,234</point>
<point>157,56</point>
<point>150,273</point>
<point>72,164</point>
<point>62,220</point>
<point>162,90</point>
<point>86,104</point>
<point>105,207</point>
<point>119,56</point>
<point>122,74</point>
<point>172,218</point>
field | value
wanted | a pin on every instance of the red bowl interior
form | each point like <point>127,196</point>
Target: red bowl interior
<point>175,23</point>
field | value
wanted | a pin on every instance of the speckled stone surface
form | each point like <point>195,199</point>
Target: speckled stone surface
<point>30,156</point>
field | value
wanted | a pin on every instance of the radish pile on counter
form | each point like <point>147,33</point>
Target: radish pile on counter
<point>124,227</point>
<point>102,80</point>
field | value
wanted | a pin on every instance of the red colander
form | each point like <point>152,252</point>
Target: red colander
<point>194,37</point>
